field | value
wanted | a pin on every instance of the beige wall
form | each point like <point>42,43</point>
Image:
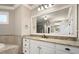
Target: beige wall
<point>26,17</point>
<point>17,21</point>
<point>22,19</point>
<point>7,29</point>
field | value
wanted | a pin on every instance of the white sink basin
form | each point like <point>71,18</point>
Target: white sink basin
<point>2,45</point>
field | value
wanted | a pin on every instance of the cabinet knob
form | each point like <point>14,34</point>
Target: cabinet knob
<point>67,49</point>
<point>69,33</point>
<point>25,50</point>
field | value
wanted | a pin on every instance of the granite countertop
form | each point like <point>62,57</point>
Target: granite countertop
<point>58,41</point>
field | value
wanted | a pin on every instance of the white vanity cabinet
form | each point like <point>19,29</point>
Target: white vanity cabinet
<point>38,47</point>
<point>41,47</point>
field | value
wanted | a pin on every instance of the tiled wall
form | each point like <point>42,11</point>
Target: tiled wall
<point>11,39</point>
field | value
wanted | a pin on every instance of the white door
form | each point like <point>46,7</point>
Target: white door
<point>46,50</point>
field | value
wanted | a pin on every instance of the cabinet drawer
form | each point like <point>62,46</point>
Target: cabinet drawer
<point>68,49</point>
<point>25,50</point>
<point>25,40</point>
<point>26,44</point>
<point>41,43</point>
<point>47,44</point>
<point>46,50</point>
<point>61,52</point>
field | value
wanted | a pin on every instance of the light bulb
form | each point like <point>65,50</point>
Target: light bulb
<point>46,6</point>
<point>39,9</point>
<point>42,8</point>
<point>50,5</point>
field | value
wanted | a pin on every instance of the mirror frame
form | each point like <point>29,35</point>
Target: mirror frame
<point>54,34</point>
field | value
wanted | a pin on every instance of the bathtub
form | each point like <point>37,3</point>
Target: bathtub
<point>2,45</point>
<point>8,49</point>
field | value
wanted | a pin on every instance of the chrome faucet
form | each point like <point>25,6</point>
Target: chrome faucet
<point>44,36</point>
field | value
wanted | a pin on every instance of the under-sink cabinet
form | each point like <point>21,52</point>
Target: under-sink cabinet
<point>42,47</point>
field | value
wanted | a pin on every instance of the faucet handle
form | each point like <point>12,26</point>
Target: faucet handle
<point>44,36</point>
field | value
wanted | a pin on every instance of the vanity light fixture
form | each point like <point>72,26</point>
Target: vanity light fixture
<point>39,9</point>
<point>44,6</point>
<point>50,5</point>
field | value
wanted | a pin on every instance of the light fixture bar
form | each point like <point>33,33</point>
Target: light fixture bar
<point>44,6</point>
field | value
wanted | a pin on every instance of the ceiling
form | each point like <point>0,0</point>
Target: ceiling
<point>10,5</point>
<point>30,6</point>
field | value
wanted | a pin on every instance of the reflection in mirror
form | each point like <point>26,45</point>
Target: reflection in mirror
<point>54,22</point>
<point>42,24</point>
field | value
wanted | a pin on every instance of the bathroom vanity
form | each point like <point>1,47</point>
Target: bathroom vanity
<point>57,21</point>
<point>36,45</point>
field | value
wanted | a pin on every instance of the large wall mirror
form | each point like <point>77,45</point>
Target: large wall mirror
<point>54,22</point>
<point>57,22</point>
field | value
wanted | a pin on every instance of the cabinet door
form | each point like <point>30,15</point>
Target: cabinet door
<point>67,49</point>
<point>46,50</point>
<point>60,52</point>
<point>37,47</point>
<point>34,47</point>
